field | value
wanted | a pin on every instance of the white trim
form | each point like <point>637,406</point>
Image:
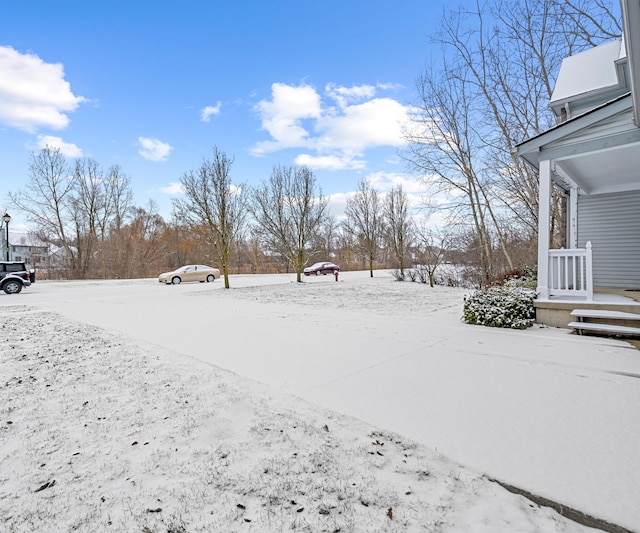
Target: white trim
<point>631,23</point>
<point>544,228</point>
<point>573,216</point>
<point>570,272</point>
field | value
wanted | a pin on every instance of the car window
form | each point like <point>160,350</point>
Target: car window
<point>13,267</point>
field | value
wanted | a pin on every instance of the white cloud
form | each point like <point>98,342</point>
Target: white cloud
<point>383,181</point>
<point>338,133</point>
<point>377,122</point>
<point>33,93</point>
<point>282,116</point>
<point>338,204</point>
<point>66,149</point>
<point>330,162</point>
<point>345,95</point>
<point>390,86</point>
<point>207,112</point>
<point>154,149</point>
<point>173,188</point>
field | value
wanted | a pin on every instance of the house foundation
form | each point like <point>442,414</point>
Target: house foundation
<point>556,312</point>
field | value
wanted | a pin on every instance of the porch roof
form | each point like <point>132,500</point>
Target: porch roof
<point>598,151</point>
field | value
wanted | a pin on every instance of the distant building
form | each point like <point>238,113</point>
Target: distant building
<point>25,247</point>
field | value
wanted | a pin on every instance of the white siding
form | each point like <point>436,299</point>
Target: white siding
<point>612,223</point>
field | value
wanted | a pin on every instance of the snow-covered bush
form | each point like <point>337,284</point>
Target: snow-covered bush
<point>501,307</point>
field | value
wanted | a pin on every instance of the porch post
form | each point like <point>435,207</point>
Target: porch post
<point>573,217</point>
<point>544,223</point>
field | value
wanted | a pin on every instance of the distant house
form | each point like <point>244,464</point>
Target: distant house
<point>593,155</point>
<point>25,247</point>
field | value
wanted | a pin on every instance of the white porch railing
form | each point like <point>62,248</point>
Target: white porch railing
<point>571,272</point>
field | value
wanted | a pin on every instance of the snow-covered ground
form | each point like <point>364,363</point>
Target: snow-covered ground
<point>320,406</point>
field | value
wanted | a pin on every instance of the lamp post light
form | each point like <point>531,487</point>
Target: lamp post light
<point>7,218</point>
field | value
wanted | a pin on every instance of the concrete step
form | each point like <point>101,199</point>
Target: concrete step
<point>611,329</point>
<point>603,314</point>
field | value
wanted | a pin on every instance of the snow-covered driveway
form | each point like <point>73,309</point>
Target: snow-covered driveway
<point>547,411</point>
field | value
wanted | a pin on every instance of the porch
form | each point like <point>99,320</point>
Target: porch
<point>556,311</point>
<point>567,298</point>
<point>590,160</point>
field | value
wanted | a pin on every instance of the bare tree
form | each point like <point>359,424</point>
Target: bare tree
<point>46,198</point>
<point>213,202</point>
<point>589,22</point>
<point>431,246</point>
<point>490,93</point>
<point>445,148</point>
<point>139,247</point>
<point>71,206</point>
<point>364,222</point>
<point>289,209</point>
<point>326,237</point>
<point>398,228</point>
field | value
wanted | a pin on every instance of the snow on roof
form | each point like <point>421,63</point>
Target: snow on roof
<point>20,238</point>
<point>590,71</point>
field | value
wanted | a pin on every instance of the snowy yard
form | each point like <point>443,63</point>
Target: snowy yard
<point>350,406</point>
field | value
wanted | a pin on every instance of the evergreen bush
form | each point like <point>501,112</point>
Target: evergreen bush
<point>501,307</point>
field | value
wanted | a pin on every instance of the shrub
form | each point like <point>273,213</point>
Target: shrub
<point>501,307</point>
<point>526,277</point>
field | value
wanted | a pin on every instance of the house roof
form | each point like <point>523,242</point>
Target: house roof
<point>591,71</point>
<point>631,23</point>
<point>599,151</point>
<point>20,238</point>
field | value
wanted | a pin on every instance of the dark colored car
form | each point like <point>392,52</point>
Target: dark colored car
<point>321,268</point>
<point>14,275</point>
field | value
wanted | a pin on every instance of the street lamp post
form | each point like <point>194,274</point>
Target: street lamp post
<point>7,218</point>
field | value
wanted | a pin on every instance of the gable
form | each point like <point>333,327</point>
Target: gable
<point>598,151</point>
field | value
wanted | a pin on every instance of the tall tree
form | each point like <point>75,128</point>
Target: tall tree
<point>47,197</point>
<point>490,93</point>
<point>289,209</point>
<point>213,202</point>
<point>445,147</point>
<point>398,228</point>
<point>72,205</point>
<point>364,222</point>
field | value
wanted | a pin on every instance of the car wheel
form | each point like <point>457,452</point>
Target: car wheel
<point>210,278</point>
<point>12,287</point>
<point>317,272</point>
<point>176,280</point>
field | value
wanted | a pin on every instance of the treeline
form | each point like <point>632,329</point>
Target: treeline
<point>86,214</point>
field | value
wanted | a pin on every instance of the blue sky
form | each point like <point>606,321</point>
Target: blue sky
<point>152,86</point>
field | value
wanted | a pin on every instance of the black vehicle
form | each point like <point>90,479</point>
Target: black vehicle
<point>321,268</point>
<point>14,275</point>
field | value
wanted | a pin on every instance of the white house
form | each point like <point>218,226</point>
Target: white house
<point>593,154</point>
<point>24,247</point>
